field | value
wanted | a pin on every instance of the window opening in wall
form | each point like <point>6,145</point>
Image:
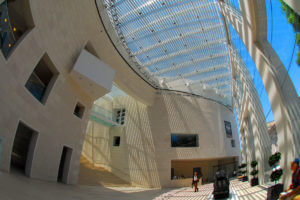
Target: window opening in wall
<point>184,140</point>
<point>172,173</point>
<point>15,21</point>
<point>233,143</point>
<point>42,79</point>
<point>117,140</point>
<point>79,110</point>
<point>120,116</point>
<point>64,165</point>
<point>23,149</point>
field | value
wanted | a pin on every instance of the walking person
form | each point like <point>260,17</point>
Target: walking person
<point>195,181</point>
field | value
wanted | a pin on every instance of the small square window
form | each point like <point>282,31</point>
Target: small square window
<point>79,110</point>
<point>233,143</point>
<point>116,141</point>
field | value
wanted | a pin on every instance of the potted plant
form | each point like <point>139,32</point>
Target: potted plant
<point>244,171</point>
<point>275,190</point>
<point>254,172</point>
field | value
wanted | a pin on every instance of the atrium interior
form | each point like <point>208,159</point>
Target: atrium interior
<point>138,99</point>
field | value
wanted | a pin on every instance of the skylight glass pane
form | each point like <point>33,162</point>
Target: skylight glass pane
<point>181,43</point>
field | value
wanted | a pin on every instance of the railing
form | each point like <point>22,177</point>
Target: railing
<point>6,30</point>
<point>103,116</point>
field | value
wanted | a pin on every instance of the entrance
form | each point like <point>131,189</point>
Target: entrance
<point>64,165</point>
<point>23,149</point>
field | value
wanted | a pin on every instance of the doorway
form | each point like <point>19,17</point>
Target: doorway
<point>23,149</point>
<point>64,165</point>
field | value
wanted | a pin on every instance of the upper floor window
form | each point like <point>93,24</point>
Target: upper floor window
<point>79,110</point>
<point>120,116</point>
<point>233,143</point>
<point>42,79</point>
<point>15,21</point>
<point>184,140</point>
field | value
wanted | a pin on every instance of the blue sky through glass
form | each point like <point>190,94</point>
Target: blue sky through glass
<point>282,38</point>
<point>254,74</point>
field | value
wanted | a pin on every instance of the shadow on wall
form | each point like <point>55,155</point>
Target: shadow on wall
<point>134,159</point>
<point>139,143</point>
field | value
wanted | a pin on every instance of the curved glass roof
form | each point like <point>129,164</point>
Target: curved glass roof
<point>175,44</point>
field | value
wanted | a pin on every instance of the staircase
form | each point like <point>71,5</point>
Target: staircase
<point>95,176</point>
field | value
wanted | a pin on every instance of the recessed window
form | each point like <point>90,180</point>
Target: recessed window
<point>16,20</point>
<point>233,143</point>
<point>120,116</point>
<point>79,110</point>
<point>184,140</point>
<point>42,79</point>
<point>117,140</point>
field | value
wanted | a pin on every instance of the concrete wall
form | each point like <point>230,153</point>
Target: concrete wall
<point>61,29</point>
<point>145,153</point>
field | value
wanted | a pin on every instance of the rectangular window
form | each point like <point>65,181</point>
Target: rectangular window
<point>233,143</point>
<point>120,116</point>
<point>79,110</point>
<point>117,140</point>
<point>184,140</point>
<point>228,129</point>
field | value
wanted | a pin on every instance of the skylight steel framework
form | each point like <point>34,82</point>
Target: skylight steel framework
<point>174,44</point>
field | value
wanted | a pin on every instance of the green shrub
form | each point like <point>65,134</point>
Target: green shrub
<point>243,165</point>
<point>254,164</point>
<point>275,158</point>
<point>254,172</point>
<point>276,175</point>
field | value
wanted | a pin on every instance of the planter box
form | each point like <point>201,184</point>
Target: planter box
<point>274,191</point>
<point>245,178</point>
<point>254,182</point>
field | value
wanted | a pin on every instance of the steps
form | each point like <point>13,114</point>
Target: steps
<point>95,176</point>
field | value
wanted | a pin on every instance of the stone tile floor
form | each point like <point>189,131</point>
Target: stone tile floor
<point>238,191</point>
<point>18,187</point>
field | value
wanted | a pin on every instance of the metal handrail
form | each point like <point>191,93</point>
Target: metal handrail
<point>104,113</point>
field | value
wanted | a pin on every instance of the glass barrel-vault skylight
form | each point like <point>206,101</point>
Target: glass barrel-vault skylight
<point>174,44</point>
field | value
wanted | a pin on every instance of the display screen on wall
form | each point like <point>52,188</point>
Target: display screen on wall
<point>228,129</point>
<point>184,140</point>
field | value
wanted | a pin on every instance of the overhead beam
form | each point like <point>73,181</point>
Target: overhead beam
<point>159,44</point>
<point>168,17</point>
<point>211,78</point>
<point>188,63</point>
<point>200,71</point>
<point>177,53</point>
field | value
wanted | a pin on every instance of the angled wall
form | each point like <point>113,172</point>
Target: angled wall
<point>145,153</point>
